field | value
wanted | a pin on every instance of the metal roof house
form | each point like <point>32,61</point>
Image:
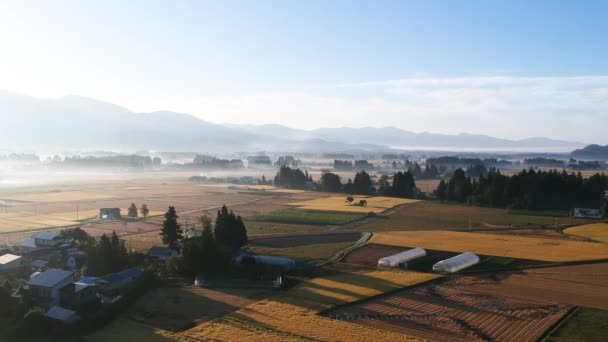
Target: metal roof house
<point>116,282</point>
<point>10,262</point>
<point>45,286</point>
<point>62,314</point>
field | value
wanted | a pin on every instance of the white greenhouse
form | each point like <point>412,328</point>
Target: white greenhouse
<point>402,258</point>
<point>457,263</point>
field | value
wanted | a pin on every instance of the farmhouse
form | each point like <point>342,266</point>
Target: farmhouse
<point>113,283</point>
<point>44,287</point>
<point>48,239</point>
<point>10,262</point>
<point>161,254</point>
<point>80,294</point>
<point>109,213</point>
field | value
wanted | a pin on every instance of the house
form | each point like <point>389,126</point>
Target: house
<point>40,265</point>
<point>80,294</point>
<point>44,286</point>
<point>63,315</point>
<point>109,213</point>
<point>75,261</point>
<point>114,283</point>
<point>10,262</point>
<point>161,254</point>
<point>48,239</point>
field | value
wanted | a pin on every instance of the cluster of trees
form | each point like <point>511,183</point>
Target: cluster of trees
<point>286,161</point>
<point>132,161</point>
<point>292,178</point>
<point>209,162</point>
<point>429,172</point>
<point>529,189</point>
<point>133,213</point>
<point>211,251</point>
<point>343,165</point>
<point>403,185</point>
<point>108,255</point>
<point>544,162</point>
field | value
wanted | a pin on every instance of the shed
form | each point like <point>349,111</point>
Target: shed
<point>10,262</point>
<point>457,263</point>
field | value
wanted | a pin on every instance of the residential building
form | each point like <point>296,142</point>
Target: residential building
<point>161,254</point>
<point>10,262</point>
<point>80,294</point>
<point>44,286</point>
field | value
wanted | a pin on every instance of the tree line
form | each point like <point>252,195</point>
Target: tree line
<point>528,189</point>
<point>402,184</point>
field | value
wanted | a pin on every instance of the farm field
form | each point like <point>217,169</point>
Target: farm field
<point>534,232</point>
<point>303,239</point>
<point>586,324</point>
<point>255,228</point>
<point>529,248</point>
<point>308,252</point>
<point>338,203</point>
<point>434,215</point>
<point>308,217</point>
<point>293,315</point>
<point>580,285</point>
<point>595,231</point>
<point>441,313</point>
<point>428,185</point>
<point>268,188</point>
<point>369,254</point>
<point>57,196</point>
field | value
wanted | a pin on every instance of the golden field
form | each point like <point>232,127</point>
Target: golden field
<point>551,250</point>
<point>293,315</point>
<point>58,196</point>
<point>594,231</point>
<point>338,203</point>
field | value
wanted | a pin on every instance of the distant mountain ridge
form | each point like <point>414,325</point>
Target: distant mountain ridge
<point>594,152</point>
<point>74,122</point>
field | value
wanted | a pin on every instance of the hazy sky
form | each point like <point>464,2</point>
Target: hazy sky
<point>505,68</point>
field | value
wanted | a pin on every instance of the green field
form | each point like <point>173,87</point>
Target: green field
<point>299,216</point>
<point>585,325</point>
<point>310,252</point>
<point>435,215</point>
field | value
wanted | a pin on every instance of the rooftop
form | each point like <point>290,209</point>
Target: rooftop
<point>47,235</point>
<point>59,313</point>
<point>29,243</point>
<point>7,258</point>
<point>50,278</point>
<point>122,275</point>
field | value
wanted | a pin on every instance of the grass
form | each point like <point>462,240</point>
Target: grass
<point>594,231</point>
<point>584,325</point>
<point>338,203</point>
<point>435,215</point>
<point>310,252</point>
<point>307,217</point>
<point>293,315</point>
<point>551,250</point>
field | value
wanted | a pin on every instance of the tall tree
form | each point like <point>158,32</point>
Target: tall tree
<point>132,211</point>
<point>171,231</point>
<point>330,182</point>
<point>362,183</point>
<point>230,230</point>
<point>144,210</point>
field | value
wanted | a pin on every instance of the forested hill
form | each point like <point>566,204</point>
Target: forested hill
<point>594,152</point>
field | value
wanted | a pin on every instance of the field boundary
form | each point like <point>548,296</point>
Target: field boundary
<point>365,237</point>
<point>547,334</point>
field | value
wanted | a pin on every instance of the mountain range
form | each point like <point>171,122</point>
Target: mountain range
<point>78,123</point>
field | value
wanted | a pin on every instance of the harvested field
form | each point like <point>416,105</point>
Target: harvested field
<point>273,228</point>
<point>551,250</point>
<point>442,313</point>
<point>293,314</point>
<point>308,217</point>
<point>428,185</point>
<point>581,285</point>
<point>303,239</point>
<point>595,231</point>
<point>338,203</point>
<point>58,196</point>
<point>308,252</point>
<point>369,255</point>
<point>584,325</point>
<point>434,215</point>
<point>534,232</point>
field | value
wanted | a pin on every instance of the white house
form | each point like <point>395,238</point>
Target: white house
<point>10,262</point>
<point>44,287</point>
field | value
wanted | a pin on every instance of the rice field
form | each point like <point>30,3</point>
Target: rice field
<point>58,196</point>
<point>594,231</point>
<point>294,315</point>
<point>339,203</point>
<point>308,217</point>
<point>551,250</point>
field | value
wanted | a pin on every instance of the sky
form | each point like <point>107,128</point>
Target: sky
<point>510,69</point>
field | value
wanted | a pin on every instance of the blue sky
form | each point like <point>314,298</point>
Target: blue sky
<point>506,68</point>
